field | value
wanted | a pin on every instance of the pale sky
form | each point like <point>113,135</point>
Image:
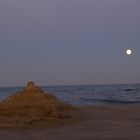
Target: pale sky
<point>68,42</point>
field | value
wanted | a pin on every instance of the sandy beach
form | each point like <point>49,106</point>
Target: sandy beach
<point>81,62</point>
<point>97,123</point>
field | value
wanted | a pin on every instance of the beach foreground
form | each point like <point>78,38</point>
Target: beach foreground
<point>120,122</point>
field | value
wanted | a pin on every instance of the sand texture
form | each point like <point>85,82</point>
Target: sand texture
<point>100,123</point>
<point>32,105</point>
<point>32,114</point>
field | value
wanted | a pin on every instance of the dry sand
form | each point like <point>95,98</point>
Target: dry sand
<point>85,123</point>
<point>98,123</point>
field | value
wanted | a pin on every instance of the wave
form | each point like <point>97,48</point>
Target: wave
<point>108,101</point>
<point>129,89</point>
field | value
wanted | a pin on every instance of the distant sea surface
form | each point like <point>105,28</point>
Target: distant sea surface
<point>88,94</point>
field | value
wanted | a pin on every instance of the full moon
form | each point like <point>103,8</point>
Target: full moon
<point>128,51</point>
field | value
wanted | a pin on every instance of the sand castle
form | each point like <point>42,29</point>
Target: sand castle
<point>33,105</point>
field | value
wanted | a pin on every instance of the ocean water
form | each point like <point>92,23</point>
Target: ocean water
<point>88,94</point>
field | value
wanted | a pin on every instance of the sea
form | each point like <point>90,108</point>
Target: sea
<point>88,94</point>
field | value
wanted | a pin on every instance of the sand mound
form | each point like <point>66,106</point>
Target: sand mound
<point>33,105</point>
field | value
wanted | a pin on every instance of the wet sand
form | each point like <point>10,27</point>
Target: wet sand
<point>97,123</point>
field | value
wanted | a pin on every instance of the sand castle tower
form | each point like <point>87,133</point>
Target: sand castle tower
<point>30,84</point>
<point>32,88</point>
